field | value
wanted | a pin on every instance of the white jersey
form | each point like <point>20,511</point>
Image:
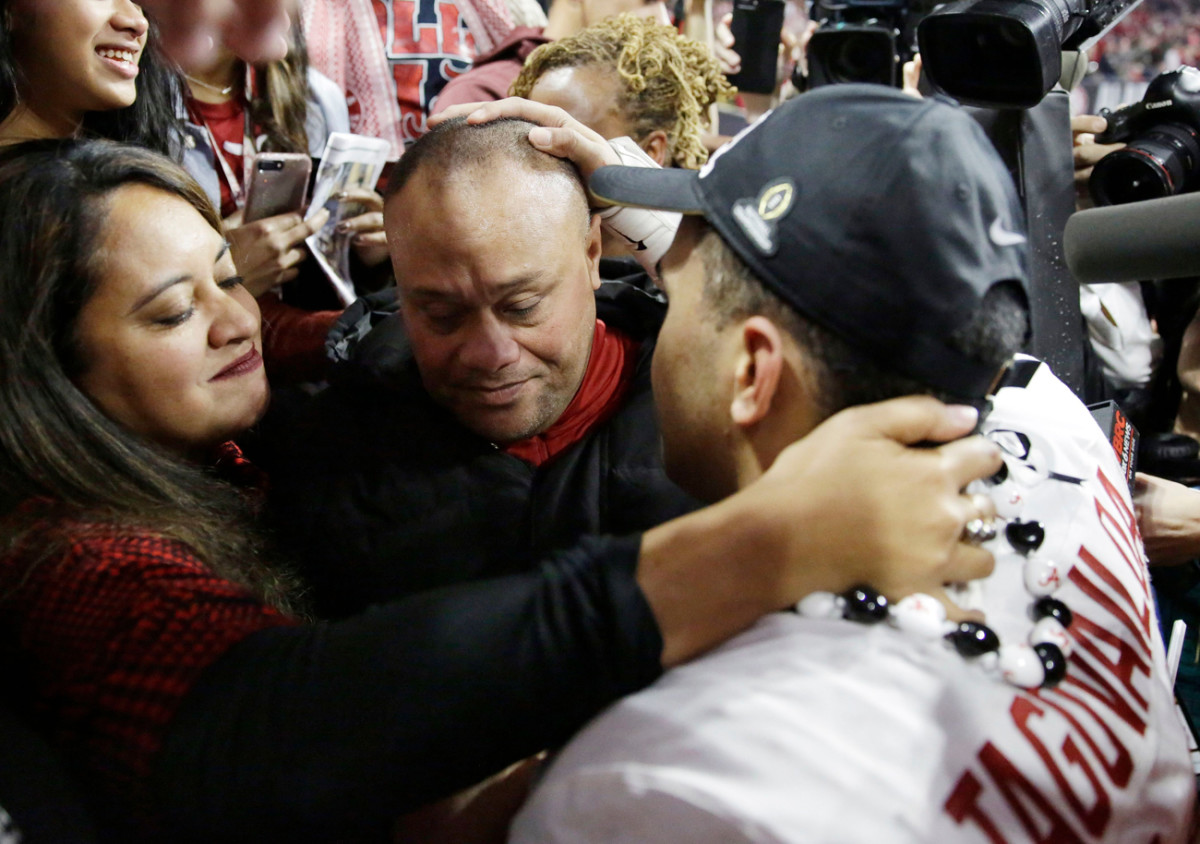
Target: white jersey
<point>824,730</point>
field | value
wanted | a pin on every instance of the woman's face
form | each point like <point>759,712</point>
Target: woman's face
<point>170,340</point>
<point>78,55</point>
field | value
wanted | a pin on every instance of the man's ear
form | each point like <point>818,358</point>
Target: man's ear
<point>655,146</point>
<point>594,249</point>
<point>760,364</point>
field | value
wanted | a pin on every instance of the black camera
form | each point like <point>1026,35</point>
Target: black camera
<point>1008,53</point>
<point>860,41</point>
<point>1162,136</point>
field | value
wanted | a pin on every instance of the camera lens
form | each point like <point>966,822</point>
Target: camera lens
<point>1161,162</point>
<point>860,59</point>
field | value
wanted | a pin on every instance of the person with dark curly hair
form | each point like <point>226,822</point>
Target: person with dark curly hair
<point>632,76</point>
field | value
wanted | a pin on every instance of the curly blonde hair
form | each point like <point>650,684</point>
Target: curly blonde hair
<point>669,80</point>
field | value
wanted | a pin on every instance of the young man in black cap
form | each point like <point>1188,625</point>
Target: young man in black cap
<point>857,244</point>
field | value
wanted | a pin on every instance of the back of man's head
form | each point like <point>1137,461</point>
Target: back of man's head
<point>845,376</point>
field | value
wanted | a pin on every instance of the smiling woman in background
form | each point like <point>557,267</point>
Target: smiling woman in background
<point>84,66</point>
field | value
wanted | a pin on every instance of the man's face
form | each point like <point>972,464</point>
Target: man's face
<point>497,268</point>
<point>693,377</point>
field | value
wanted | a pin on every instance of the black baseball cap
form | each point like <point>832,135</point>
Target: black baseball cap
<point>880,216</point>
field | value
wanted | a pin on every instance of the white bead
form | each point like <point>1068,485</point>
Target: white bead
<point>1020,665</point>
<point>1009,500</point>
<point>1050,630</point>
<point>920,615</point>
<point>820,605</point>
<point>1043,576</point>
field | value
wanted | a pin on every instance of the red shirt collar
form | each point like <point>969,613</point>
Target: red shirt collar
<point>605,382</point>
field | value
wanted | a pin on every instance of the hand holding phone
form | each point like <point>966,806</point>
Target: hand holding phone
<point>756,26</point>
<point>278,184</point>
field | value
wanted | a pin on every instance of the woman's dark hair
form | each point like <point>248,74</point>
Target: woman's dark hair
<point>280,107</point>
<point>54,442</point>
<point>150,122</point>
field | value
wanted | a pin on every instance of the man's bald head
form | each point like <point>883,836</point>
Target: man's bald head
<point>456,150</point>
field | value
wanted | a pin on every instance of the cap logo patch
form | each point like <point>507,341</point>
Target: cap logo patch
<point>757,217</point>
<point>775,201</point>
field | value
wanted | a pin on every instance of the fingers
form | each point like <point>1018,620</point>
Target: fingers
<point>1089,123</point>
<point>539,113</point>
<point>913,419</point>
<point>291,258</point>
<point>912,76</point>
<point>587,154</point>
<point>954,612</point>
<point>363,224</point>
<point>1086,155</point>
<point>562,136</point>
<point>727,57</point>
<point>313,225</point>
<point>970,459</point>
<point>363,196</point>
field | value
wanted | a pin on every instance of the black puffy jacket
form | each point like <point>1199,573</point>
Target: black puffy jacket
<point>378,492</point>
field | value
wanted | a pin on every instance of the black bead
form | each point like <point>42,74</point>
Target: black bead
<point>1052,608</point>
<point>1001,475</point>
<point>865,605</point>
<point>972,639</point>
<point>1025,536</point>
<point>1053,661</point>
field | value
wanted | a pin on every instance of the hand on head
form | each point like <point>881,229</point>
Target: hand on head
<point>559,133</point>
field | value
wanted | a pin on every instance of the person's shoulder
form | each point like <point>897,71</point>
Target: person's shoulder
<point>629,806</point>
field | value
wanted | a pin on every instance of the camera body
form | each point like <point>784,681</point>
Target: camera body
<point>1162,136</point>
<point>1008,53</point>
<point>860,41</point>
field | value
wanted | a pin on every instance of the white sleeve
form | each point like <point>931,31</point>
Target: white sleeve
<point>631,804</point>
<point>649,232</point>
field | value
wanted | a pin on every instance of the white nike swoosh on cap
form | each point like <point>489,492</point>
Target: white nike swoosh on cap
<point>1002,236</point>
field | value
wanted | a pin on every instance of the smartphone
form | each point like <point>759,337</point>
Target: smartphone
<point>756,28</point>
<point>278,184</point>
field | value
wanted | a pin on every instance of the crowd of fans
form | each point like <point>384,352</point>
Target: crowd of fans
<point>658,485</point>
<point>1155,36</point>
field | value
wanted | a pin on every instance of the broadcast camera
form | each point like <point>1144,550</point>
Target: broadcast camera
<point>1008,53</point>
<point>1162,136</point>
<point>860,41</point>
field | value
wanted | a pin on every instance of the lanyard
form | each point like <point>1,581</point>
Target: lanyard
<point>236,189</point>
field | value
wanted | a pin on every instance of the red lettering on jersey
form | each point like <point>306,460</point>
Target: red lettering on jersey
<point>1128,540</point>
<point>438,34</point>
<point>1137,624</point>
<point>1095,818</point>
<point>963,806</point>
<point>1120,768</point>
<point>1100,668</point>
<point>1026,799</point>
